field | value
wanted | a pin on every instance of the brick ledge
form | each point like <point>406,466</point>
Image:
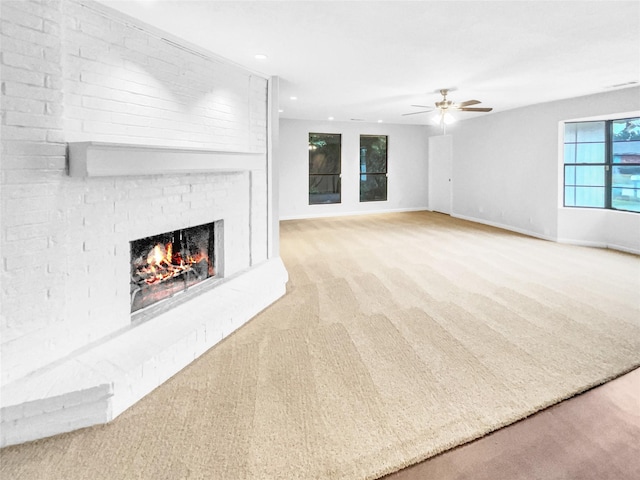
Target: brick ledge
<point>96,385</point>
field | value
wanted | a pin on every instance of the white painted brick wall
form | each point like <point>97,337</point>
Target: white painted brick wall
<point>71,72</point>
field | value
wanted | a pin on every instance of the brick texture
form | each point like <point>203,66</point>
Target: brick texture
<point>74,71</point>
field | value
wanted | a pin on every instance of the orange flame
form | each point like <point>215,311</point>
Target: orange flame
<point>169,255</point>
<point>162,264</point>
<point>156,255</point>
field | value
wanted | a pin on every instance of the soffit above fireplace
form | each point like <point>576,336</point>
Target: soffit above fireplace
<point>100,159</point>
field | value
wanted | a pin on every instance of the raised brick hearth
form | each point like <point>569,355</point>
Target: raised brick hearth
<point>111,132</point>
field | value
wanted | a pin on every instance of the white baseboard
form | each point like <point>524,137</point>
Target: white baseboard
<point>503,226</point>
<point>568,241</point>
<point>587,243</point>
<point>351,213</point>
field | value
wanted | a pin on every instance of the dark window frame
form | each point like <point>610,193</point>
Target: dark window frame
<point>608,166</point>
<point>375,174</point>
<point>321,175</point>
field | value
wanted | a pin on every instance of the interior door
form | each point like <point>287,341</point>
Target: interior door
<point>440,173</point>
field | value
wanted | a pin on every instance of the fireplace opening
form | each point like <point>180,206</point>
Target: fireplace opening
<point>172,262</point>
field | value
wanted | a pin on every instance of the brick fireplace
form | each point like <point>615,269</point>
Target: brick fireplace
<point>114,132</point>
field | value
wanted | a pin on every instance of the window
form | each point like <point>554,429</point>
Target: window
<point>373,168</point>
<point>324,168</point>
<point>625,171</point>
<point>602,164</point>
<point>584,164</point>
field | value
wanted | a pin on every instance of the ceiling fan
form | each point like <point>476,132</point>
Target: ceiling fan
<point>445,107</point>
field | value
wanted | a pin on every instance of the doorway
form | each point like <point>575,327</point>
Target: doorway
<point>440,173</point>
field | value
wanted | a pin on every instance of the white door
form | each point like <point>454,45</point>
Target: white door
<point>440,172</point>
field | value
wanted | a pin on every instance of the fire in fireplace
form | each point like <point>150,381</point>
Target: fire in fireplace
<point>165,264</point>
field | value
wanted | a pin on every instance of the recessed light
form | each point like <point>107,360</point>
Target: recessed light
<point>293,98</point>
<point>379,121</point>
<point>280,111</point>
<point>330,118</point>
<point>260,56</point>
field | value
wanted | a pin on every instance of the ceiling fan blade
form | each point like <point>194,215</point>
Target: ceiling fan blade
<point>475,109</point>
<point>468,103</point>
<point>415,113</point>
<point>423,106</point>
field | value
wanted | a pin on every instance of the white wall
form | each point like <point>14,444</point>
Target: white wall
<point>407,168</point>
<point>600,228</point>
<point>506,172</point>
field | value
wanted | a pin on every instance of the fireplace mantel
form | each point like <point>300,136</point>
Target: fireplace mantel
<point>100,159</point>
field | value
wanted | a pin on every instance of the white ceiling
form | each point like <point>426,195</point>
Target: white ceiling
<point>372,60</point>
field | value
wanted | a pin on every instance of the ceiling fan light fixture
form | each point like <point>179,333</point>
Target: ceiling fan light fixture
<point>444,118</point>
<point>444,106</point>
<point>447,118</point>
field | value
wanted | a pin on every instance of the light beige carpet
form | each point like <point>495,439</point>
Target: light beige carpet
<point>402,335</point>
